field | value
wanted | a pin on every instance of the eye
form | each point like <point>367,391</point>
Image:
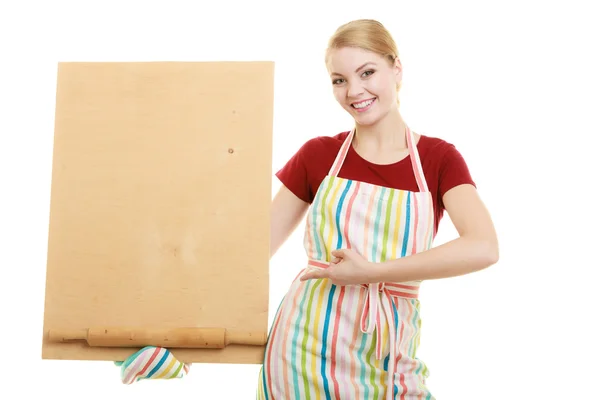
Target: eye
<point>337,81</point>
<point>368,73</point>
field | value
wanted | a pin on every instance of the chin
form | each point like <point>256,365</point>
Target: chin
<point>367,119</point>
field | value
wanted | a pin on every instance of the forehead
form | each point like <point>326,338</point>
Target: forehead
<point>346,60</point>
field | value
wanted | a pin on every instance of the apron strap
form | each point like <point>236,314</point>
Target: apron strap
<point>341,156</point>
<point>371,322</point>
<point>413,154</point>
<point>416,161</point>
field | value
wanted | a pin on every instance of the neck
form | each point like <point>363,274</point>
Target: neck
<point>388,133</point>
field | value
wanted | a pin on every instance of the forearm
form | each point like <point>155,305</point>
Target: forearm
<point>280,232</point>
<point>457,257</point>
<point>287,211</point>
<point>282,227</point>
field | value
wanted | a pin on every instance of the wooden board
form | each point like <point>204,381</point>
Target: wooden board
<point>161,189</point>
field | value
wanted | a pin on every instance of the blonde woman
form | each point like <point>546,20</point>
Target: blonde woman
<point>372,198</point>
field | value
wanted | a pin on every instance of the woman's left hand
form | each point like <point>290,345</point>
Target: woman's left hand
<point>346,268</point>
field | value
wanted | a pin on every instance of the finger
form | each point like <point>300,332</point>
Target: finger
<point>339,253</point>
<point>308,277</point>
<point>313,275</point>
<point>335,260</point>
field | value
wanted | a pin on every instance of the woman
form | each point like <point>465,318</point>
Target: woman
<point>348,327</point>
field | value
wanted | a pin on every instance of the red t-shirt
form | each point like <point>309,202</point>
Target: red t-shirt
<point>443,166</point>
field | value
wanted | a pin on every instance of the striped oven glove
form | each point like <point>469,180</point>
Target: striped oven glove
<point>151,363</point>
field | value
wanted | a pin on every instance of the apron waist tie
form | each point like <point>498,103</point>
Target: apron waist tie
<point>370,319</point>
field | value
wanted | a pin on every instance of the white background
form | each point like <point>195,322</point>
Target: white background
<point>513,84</point>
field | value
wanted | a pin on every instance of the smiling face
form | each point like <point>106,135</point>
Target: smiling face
<point>364,83</point>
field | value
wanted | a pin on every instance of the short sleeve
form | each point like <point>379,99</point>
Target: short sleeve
<point>294,175</point>
<point>454,171</point>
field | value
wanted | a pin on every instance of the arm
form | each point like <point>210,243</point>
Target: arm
<point>476,247</point>
<point>287,211</point>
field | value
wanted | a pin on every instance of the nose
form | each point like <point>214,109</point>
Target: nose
<point>355,89</point>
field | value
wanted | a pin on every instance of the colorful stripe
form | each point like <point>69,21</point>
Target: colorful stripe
<point>151,363</point>
<point>346,365</point>
<point>339,160</point>
<point>415,159</point>
<point>355,341</point>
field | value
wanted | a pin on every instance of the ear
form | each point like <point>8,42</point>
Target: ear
<point>398,71</point>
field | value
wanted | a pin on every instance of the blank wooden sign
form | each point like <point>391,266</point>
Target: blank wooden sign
<point>161,189</point>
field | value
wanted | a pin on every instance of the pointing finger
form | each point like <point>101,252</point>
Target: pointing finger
<point>340,253</point>
<point>313,275</point>
<point>335,260</point>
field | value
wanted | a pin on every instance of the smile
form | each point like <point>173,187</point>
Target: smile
<point>363,105</point>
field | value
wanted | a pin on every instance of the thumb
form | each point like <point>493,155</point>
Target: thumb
<point>339,253</point>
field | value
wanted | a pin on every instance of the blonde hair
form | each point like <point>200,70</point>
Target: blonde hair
<point>366,34</point>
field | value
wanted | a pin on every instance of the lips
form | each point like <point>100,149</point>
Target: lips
<point>363,104</point>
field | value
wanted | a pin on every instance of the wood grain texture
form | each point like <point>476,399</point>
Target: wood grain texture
<point>159,214</point>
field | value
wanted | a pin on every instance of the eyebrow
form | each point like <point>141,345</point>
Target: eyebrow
<point>357,69</point>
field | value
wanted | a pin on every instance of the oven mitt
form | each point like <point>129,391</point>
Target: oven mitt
<point>151,363</point>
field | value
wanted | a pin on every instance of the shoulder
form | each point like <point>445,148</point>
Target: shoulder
<point>434,146</point>
<point>438,153</point>
<point>443,164</point>
<point>303,173</point>
<point>317,151</point>
<point>320,145</point>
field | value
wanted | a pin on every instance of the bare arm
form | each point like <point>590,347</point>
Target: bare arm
<point>287,211</point>
<point>476,247</point>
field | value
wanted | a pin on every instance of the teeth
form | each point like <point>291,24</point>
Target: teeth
<point>363,104</point>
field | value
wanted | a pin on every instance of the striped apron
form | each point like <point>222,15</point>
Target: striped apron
<point>353,341</point>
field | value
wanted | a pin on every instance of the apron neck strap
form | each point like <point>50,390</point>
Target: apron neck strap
<point>413,154</point>
<point>341,156</point>
<point>416,161</point>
